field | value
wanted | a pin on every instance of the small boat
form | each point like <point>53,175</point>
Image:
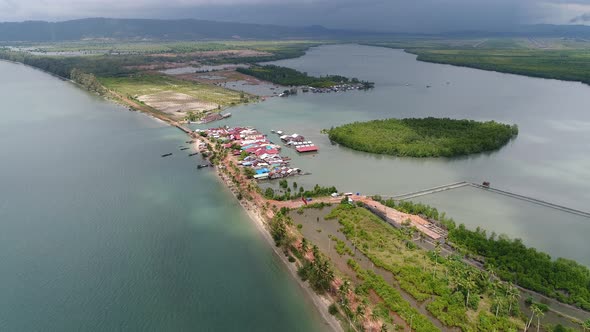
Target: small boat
<point>428,86</point>
<point>202,166</point>
<point>184,149</point>
<point>166,155</point>
<point>193,154</point>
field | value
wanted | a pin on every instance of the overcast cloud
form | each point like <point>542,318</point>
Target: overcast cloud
<point>386,15</point>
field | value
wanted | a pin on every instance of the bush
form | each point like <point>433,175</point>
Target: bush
<point>333,309</point>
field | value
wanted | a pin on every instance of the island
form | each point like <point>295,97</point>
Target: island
<point>427,137</point>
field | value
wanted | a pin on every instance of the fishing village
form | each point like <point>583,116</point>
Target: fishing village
<point>301,226</point>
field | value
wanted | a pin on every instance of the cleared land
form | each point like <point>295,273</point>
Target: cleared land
<point>175,103</point>
<point>428,137</point>
<point>171,95</point>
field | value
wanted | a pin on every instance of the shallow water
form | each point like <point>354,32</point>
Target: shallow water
<point>549,160</point>
<point>99,233</point>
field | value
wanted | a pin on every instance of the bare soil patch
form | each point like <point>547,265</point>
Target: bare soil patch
<point>175,103</point>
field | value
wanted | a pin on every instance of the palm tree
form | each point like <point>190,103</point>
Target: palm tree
<point>539,313</point>
<point>344,289</point>
<point>436,254</point>
<point>360,312</point>
<point>534,309</point>
<point>513,295</point>
<point>468,284</point>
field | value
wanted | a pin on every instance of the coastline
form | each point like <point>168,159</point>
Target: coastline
<point>256,218</point>
<point>253,211</point>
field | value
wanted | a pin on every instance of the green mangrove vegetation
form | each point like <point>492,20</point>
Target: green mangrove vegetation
<point>557,58</point>
<point>562,279</point>
<point>291,77</point>
<point>457,294</point>
<point>426,137</point>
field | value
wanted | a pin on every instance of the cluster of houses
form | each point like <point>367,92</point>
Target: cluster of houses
<point>340,88</point>
<point>260,154</point>
<point>298,142</point>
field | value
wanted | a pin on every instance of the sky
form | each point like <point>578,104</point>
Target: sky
<point>370,15</point>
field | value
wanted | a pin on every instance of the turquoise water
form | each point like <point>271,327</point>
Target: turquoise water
<point>549,160</point>
<point>99,233</point>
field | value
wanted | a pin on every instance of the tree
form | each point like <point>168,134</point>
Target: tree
<point>539,313</point>
<point>467,282</point>
<point>513,294</point>
<point>586,325</point>
<point>535,310</point>
<point>269,193</point>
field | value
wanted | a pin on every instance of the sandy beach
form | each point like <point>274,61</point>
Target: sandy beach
<point>256,217</point>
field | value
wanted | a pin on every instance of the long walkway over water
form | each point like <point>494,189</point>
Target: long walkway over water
<point>456,185</point>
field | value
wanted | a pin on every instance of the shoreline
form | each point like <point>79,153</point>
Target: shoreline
<point>257,220</point>
<point>254,213</point>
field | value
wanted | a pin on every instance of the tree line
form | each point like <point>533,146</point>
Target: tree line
<point>291,77</point>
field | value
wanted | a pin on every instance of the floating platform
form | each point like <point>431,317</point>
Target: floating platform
<point>308,148</point>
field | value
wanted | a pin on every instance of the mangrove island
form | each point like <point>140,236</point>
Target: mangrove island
<point>427,137</point>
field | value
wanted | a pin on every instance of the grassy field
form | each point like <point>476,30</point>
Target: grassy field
<point>162,86</point>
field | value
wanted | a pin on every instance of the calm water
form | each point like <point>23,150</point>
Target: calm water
<point>99,233</point>
<point>549,160</point>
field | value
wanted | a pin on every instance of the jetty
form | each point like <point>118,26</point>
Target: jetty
<point>533,200</point>
<point>429,191</point>
<point>486,186</point>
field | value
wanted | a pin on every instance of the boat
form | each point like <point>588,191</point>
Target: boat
<point>202,166</point>
<point>184,149</point>
<point>193,154</point>
<point>166,155</point>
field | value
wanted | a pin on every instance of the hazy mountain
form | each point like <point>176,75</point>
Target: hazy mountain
<point>187,29</point>
<point>191,29</point>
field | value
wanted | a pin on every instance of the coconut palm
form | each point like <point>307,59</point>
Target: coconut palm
<point>467,282</point>
<point>539,313</point>
<point>513,295</point>
<point>534,310</point>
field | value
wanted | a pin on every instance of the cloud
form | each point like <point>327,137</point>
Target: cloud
<point>581,18</point>
<point>386,15</point>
